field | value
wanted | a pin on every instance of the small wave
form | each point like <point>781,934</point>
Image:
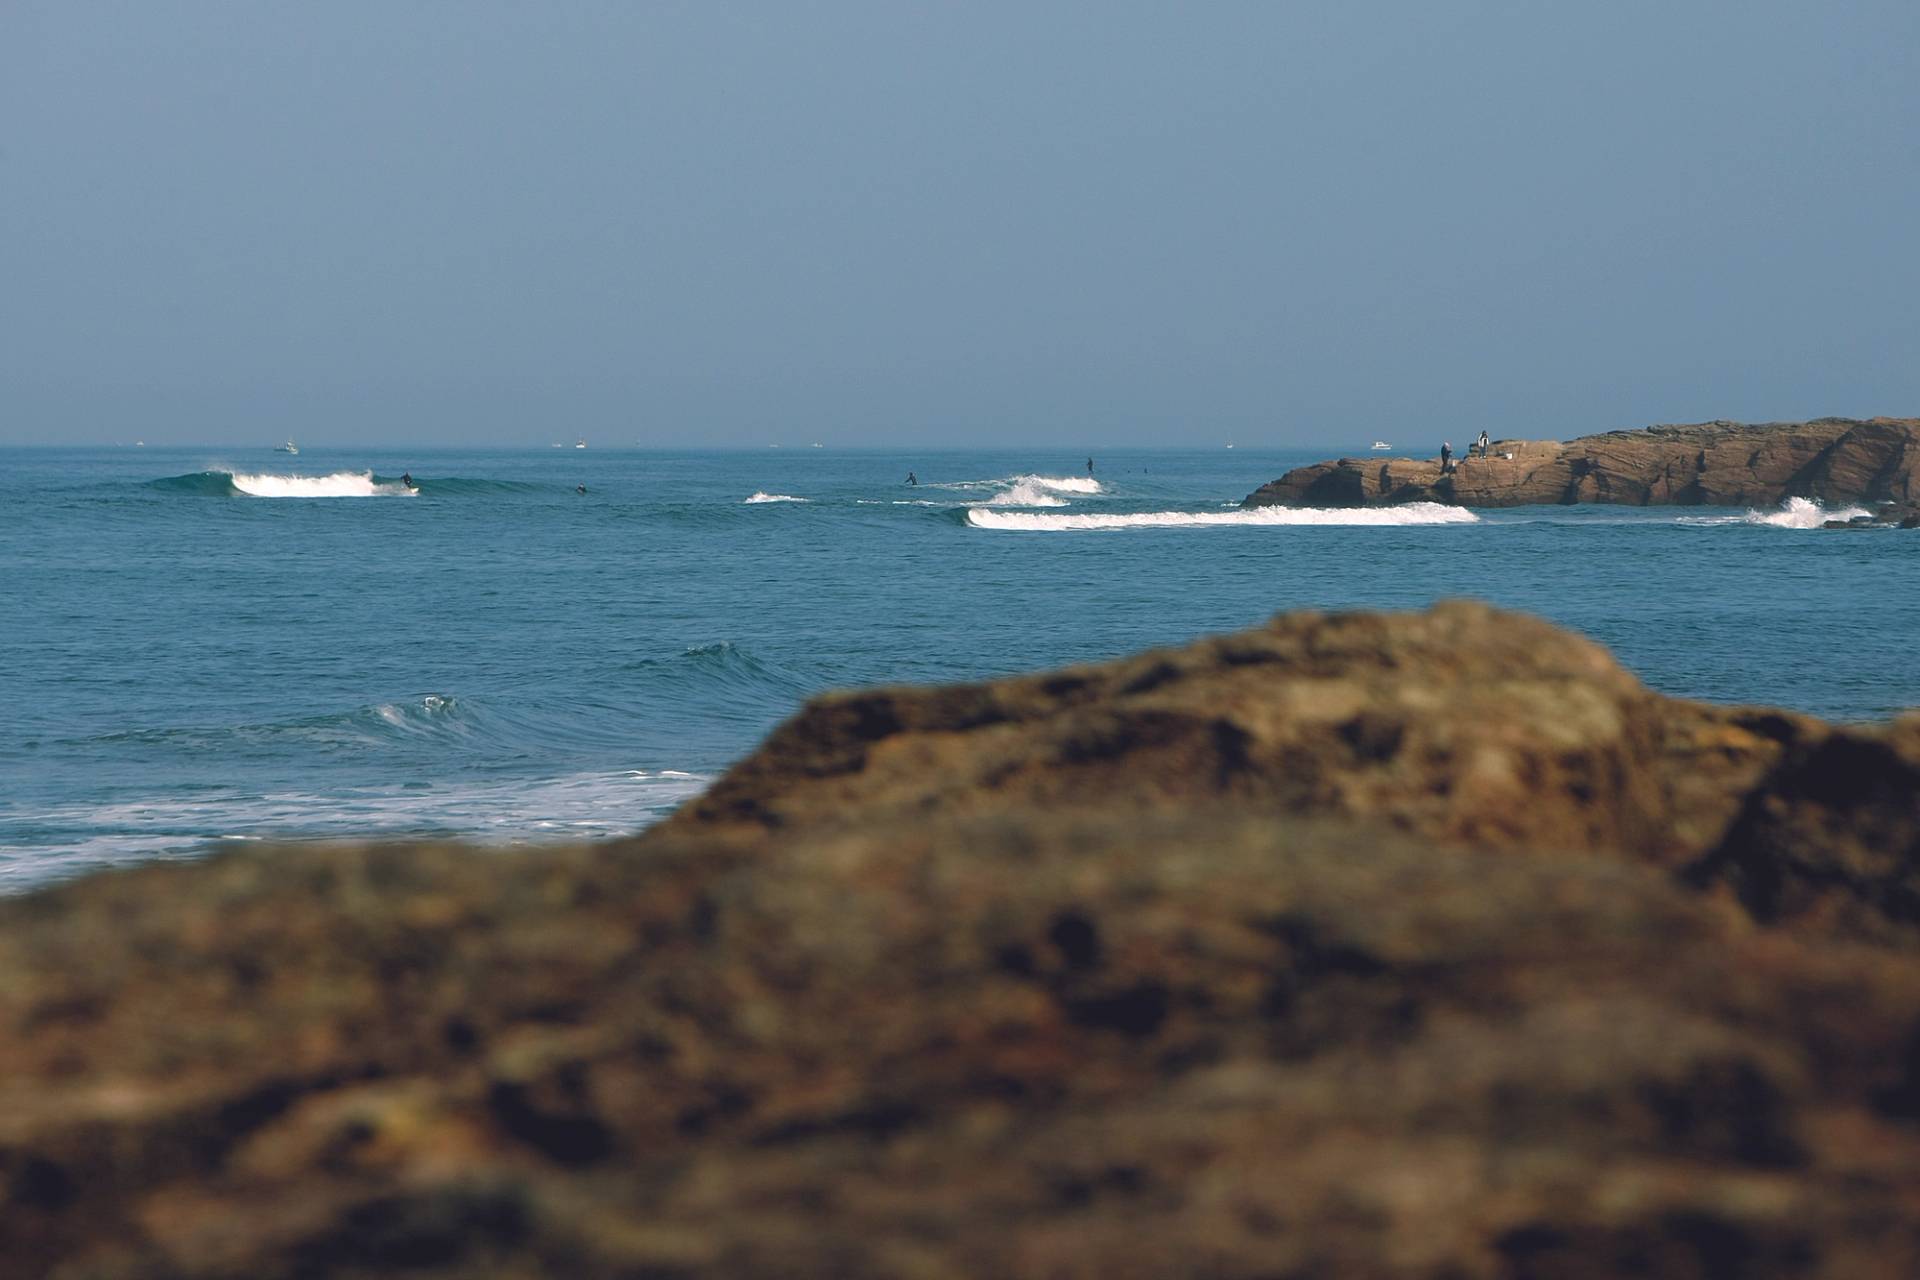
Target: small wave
<point>1413,513</point>
<point>761,495</point>
<point>725,678</point>
<point>213,484</point>
<point>449,485</point>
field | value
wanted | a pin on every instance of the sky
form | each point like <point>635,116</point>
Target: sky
<point>1089,224</point>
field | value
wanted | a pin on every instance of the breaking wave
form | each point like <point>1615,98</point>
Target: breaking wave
<point>1794,513</point>
<point>340,484</point>
<point>763,496</point>
<point>1029,490</point>
<point>1413,513</point>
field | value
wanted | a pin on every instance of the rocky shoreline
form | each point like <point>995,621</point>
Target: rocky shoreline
<point>1873,462</point>
<point>1366,945</point>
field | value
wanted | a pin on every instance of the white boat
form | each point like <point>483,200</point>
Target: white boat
<point>288,447</point>
<point>1379,445</point>
<point>579,444</point>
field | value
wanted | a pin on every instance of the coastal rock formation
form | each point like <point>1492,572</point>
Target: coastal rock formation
<point>1832,460</point>
<point>1313,950</point>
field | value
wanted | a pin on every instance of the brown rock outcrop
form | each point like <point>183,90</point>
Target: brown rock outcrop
<point>1835,460</point>
<point>1381,946</point>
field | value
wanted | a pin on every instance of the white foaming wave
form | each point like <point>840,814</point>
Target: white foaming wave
<point>586,805</point>
<point>760,495</point>
<point>1042,491</point>
<point>1802,513</point>
<point>1063,484</point>
<point>1025,494</point>
<point>1413,513</point>
<point>1794,513</point>
<point>341,484</point>
<point>1028,485</point>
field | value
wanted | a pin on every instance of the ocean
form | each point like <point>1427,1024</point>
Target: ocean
<point>206,646</point>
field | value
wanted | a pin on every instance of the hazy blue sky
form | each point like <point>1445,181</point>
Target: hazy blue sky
<point>872,223</point>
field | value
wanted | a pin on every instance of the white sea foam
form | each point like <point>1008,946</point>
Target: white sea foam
<point>763,496</point>
<point>1412,513</point>
<point>1027,490</point>
<point>516,811</point>
<point>341,484</point>
<point>1026,494</point>
<point>1038,491</point>
<point>1794,513</point>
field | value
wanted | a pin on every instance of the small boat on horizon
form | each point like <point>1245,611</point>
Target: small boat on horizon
<point>288,447</point>
<point>580,443</point>
<point>1381,444</point>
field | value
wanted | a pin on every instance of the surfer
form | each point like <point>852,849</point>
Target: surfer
<point>912,479</point>
<point>579,488</point>
<point>406,478</point>
<point>1089,466</point>
<point>1446,457</point>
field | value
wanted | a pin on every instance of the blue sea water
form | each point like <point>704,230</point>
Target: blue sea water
<point>197,647</point>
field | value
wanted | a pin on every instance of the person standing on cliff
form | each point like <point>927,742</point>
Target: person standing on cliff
<point>1484,446</point>
<point>1446,457</point>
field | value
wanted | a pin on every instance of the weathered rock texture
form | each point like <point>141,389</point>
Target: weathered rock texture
<point>1314,950</point>
<point>1835,460</point>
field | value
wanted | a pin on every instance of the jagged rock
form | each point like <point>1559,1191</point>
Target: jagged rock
<point>1834,460</point>
<point>1427,945</point>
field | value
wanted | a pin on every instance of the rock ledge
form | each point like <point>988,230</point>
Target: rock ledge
<point>1831,460</point>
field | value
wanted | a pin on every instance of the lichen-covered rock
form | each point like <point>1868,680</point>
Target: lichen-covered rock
<point>1838,460</point>
<point>1383,946</point>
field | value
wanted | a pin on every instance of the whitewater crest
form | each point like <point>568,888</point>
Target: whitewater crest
<point>761,495</point>
<point>1027,490</point>
<point>341,484</point>
<point>1794,513</point>
<point>1413,513</point>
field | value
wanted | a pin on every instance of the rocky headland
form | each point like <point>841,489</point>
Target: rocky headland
<point>1426,945</point>
<point>1874,462</point>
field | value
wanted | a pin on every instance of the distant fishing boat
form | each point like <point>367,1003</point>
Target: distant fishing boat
<point>580,444</point>
<point>288,447</point>
<point>1380,445</point>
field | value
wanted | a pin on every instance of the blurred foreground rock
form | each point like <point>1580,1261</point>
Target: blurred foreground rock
<point>1423,945</point>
